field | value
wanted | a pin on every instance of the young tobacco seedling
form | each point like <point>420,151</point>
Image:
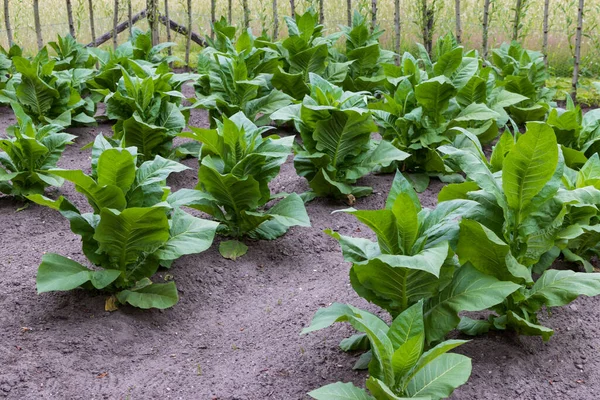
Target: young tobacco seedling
<point>413,260</point>
<point>336,148</point>
<point>524,222</point>
<point>130,232</point>
<point>400,368</point>
<point>28,154</point>
<point>236,166</point>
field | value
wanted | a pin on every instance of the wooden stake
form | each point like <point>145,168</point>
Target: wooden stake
<point>275,21</point>
<point>577,50</point>
<point>170,51</point>
<point>321,12</point>
<point>545,38</point>
<point>517,19</point>
<point>152,7</point>
<point>229,11</point>
<point>70,18</point>
<point>115,23</point>
<point>397,29</point>
<point>213,17</point>
<point>246,13</point>
<point>188,43</point>
<point>486,18</point>
<point>130,17</point>
<point>7,22</point>
<point>349,11</point>
<point>38,25</point>
<point>293,8</point>
<point>373,14</point>
<point>458,25</point>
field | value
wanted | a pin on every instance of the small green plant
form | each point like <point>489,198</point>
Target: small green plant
<point>400,367</point>
<point>128,235</point>
<point>28,153</point>
<point>236,166</point>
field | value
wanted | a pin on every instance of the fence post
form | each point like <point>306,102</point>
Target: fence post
<point>275,21</point>
<point>70,18</point>
<point>458,25</point>
<point>577,50</point>
<point>545,38</point>
<point>7,22</point>
<point>293,8</point>
<point>188,43</point>
<point>130,17</point>
<point>115,23</point>
<point>486,17</point>
<point>246,13</point>
<point>213,17</point>
<point>517,20</point>
<point>397,29</point>
<point>152,16</point>
<point>38,25</point>
<point>229,11</point>
<point>321,12</point>
<point>349,11</point>
<point>170,51</point>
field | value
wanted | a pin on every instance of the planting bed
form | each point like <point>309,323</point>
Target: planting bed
<point>235,333</point>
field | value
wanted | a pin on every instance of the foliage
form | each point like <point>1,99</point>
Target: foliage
<point>70,54</point>
<point>129,234</point>
<point>236,166</point>
<point>28,153</point>
<point>336,148</point>
<point>522,227</point>
<point>400,366</point>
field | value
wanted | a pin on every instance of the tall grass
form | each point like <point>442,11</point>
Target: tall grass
<point>561,35</point>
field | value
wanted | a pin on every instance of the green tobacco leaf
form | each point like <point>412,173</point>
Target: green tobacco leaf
<point>98,196</point>
<point>290,211</point>
<point>291,84</point>
<point>474,327</point>
<point>527,328</point>
<point>470,290</point>
<point>232,249</point>
<point>58,273</point>
<point>407,221</point>
<point>448,62</point>
<point>355,250</point>
<point>189,235</point>
<point>557,288</point>
<point>381,391</point>
<point>529,166</point>
<point>156,295</point>
<point>340,391</point>
<point>435,94</point>
<point>440,377</point>
<point>383,224</point>
<point>233,193</point>
<point>116,168</point>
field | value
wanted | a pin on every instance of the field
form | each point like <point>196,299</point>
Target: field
<point>235,333</point>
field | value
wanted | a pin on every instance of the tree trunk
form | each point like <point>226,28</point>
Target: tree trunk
<point>275,21</point>
<point>152,16</point>
<point>246,13</point>
<point>486,17</point>
<point>188,43</point>
<point>517,20</point>
<point>38,25</point>
<point>545,38</point>
<point>577,50</point>
<point>7,22</point>
<point>349,11</point>
<point>321,12</point>
<point>115,24</point>
<point>70,18</point>
<point>293,8</point>
<point>428,20</point>
<point>373,14</point>
<point>170,50</point>
<point>397,29</point>
<point>458,25</point>
<point>130,17</point>
<point>213,6</point>
<point>229,11</point>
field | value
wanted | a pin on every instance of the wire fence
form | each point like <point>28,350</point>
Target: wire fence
<point>561,35</point>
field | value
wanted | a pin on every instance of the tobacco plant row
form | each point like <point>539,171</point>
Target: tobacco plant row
<point>488,246</point>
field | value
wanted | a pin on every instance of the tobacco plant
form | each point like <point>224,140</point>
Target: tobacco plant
<point>130,232</point>
<point>236,166</point>
<point>401,366</point>
<point>522,227</point>
<point>337,149</point>
<point>28,153</point>
<point>413,260</point>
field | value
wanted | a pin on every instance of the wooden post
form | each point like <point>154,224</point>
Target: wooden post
<point>115,23</point>
<point>397,29</point>
<point>275,21</point>
<point>545,38</point>
<point>458,25</point>
<point>213,17</point>
<point>229,11</point>
<point>246,14</point>
<point>38,25</point>
<point>188,43</point>
<point>349,11</point>
<point>70,18</point>
<point>7,22</point>
<point>577,50</point>
<point>293,8</point>
<point>373,14</point>
<point>130,17</point>
<point>427,28</point>
<point>152,7</point>
<point>321,12</point>
<point>92,27</point>
<point>170,51</point>
<point>486,18</point>
<point>517,19</point>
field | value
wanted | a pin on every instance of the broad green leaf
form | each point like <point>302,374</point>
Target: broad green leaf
<point>528,328</point>
<point>232,249</point>
<point>156,295</point>
<point>116,168</point>
<point>557,288</point>
<point>58,273</point>
<point>340,391</point>
<point>440,377</point>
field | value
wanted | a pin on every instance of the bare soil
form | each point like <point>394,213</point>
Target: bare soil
<point>235,333</point>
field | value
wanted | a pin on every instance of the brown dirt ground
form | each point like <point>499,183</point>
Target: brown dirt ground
<point>235,332</point>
